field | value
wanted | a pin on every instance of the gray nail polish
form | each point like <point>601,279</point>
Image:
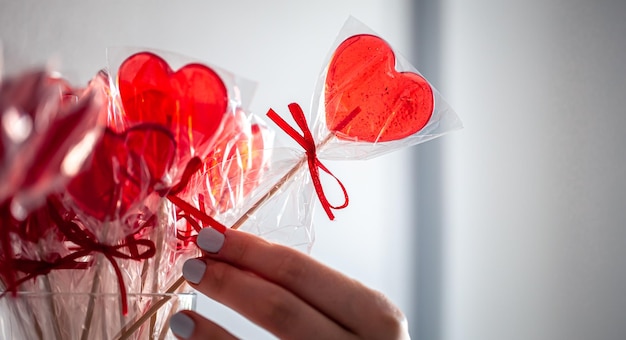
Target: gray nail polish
<point>210,240</point>
<point>182,325</point>
<point>193,270</point>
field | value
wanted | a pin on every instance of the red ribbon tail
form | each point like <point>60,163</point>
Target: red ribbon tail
<point>191,168</point>
<point>307,142</point>
<point>193,211</point>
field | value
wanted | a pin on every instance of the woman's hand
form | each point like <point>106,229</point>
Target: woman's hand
<point>284,291</point>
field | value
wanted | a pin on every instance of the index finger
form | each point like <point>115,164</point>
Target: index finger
<point>341,298</point>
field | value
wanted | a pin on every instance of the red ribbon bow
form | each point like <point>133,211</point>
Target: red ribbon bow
<point>87,244</point>
<point>308,143</point>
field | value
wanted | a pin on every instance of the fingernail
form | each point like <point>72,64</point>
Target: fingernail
<point>193,270</point>
<point>182,325</point>
<point>210,240</point>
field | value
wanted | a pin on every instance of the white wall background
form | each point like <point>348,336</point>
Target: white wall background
<point>280,44</point>
<point>535,195</point>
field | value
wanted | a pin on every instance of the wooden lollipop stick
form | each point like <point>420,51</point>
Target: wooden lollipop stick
<point>127,332</point>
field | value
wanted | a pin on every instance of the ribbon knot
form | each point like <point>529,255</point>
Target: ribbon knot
<point>307,142</point>
<point>87,244</point>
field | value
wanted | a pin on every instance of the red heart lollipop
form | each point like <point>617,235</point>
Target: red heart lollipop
<point>123,170</point>
<point>236,163</point>
<point>362,74</point>
<point>191,102</point>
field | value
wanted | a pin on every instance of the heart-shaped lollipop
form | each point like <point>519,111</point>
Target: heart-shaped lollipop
<point>123,170</point>
<point>393,105</point>
<point>233,168</point>
<point>191,102</point>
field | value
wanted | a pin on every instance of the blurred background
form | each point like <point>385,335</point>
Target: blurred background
<point>512,228</point>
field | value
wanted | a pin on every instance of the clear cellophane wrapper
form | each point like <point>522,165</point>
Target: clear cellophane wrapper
<point>367,69</point>
<point>262,208</point>
<point>90,255</point>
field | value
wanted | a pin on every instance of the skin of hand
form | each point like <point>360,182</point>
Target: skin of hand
<point>287,292</point>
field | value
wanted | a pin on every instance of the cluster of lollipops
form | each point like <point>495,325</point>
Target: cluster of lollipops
<point>105,188</point>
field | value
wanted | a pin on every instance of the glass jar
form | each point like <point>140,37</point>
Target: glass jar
<point>89,316</point>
